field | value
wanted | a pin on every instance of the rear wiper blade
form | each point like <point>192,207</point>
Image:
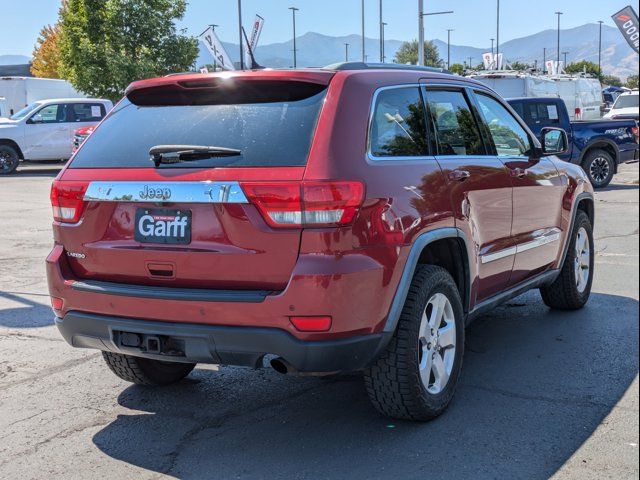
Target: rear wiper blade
<point>167,154</point>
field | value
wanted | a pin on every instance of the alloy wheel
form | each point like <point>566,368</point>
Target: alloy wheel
<point>582,265</point>
<point>437,338</point>
<point>599,169</point>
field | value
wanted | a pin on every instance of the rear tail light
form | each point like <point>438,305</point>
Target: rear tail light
<point>67,200</point>
<point>306,204</point>
<point>56,304</point>
<point>636,133</point>
<point>578,113</point>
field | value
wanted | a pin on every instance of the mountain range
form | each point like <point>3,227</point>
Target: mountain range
<point>315,49</point>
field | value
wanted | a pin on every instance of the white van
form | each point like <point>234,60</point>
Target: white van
<point>514,84</point>
<point>581,94</point>
<point>19,92</point>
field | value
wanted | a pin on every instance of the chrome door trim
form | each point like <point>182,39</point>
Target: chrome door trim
<point>165,192</point>
<point>546,238</point>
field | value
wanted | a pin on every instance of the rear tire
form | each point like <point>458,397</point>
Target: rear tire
<point>144,371</point>
<point>416,376</point>
<point>571,290</point>
<point>9,159</point>
<point>600,167</point>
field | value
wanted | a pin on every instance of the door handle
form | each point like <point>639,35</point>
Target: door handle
<point>459,175</point>
<point>518,172</point>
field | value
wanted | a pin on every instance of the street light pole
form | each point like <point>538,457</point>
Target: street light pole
<point>498,27</point>
<point>600,49</point>
<point>381,35</point>
<point>492,41</point>
<point>364,53</point>
<point>565,58</point>
<point>295,48</point>
<point>421,15</point>
<point>346,52</point>
<point>449,30</point>
<point>544,60</point>
<point>421,32</point>
<point>240,34</point>
<point>558,46</point>
<point>384,36</point>
<point>470,60</point>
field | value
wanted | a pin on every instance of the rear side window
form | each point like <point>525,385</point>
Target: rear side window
<point>398,125</point>
<point>508,136</point>
<point>270,133</point>
<point>455,128</point>
<point>87,112</point>
<point>544,113</point>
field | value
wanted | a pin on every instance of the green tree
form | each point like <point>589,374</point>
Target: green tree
<point>457,68</point>
<point>107,44</point>
<point>632,81</point>
<point>611,80</point>
<point>520,66</point>
<point>579,67</point>
<point>408,54</point>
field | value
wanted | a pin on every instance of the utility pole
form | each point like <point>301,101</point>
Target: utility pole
<point>558,46</point>
<point>544,60</point>
<point>600,49</point>
<point>215,61</point>
<point>449,30</point>
<point>384,36</point>
<point>240,34</point>
<point>381,35</point>
<point>497,28</point>
<point>492,41</point>
<point>346,52</point>
<point>470,60</point>
<point>295,48</point>
<point>421,16</point>
<point>364,53</point>
<point>565,58</point>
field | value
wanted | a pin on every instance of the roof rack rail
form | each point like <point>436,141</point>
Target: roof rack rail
<point>383,66</point>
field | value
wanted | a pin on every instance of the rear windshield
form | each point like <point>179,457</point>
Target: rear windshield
<point>626,101</point>
<point>269,134</point>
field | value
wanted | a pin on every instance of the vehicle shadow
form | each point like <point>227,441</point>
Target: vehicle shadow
<point>618,187</point>
<point>535,386</point>
<point>30,314</point>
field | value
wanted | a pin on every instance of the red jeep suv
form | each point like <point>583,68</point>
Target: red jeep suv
<point>356,217</point>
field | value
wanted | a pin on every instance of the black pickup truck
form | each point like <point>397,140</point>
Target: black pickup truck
<point>598,145</point>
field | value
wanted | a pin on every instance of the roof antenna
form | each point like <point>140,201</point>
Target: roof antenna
<point>254,65</point>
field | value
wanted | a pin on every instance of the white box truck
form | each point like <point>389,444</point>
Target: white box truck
<point>582,95</point>
<point>514,84</point>
<point>18,92</point>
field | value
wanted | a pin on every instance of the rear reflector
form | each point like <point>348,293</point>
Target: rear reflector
<point>67,200</point>
<point>306,204</point>
<point>56,303</point>
<point>312,324</point>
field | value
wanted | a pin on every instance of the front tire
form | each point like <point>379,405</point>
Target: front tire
<point>144,371</point>
<point>572,288</point>
<point>9,159</point>
<point>600,167</point>
<point>416,376</point>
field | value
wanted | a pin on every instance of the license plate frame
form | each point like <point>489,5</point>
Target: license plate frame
<point>163,226</point>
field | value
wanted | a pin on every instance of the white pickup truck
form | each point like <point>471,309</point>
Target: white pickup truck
<point>44,129</point>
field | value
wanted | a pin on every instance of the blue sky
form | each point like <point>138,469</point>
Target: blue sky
<point>473,20</point>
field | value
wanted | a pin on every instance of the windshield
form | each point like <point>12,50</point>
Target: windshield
<point>24,112</point>
<point>275,133</point>
<point>626,101</point>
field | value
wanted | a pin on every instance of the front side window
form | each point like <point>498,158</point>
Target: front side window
<point>508,136</point>
<point>398,125</point>
<point>56,113</point>
<point>455,128</point>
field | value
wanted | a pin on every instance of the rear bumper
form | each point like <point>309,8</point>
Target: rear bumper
<point>243,346</point>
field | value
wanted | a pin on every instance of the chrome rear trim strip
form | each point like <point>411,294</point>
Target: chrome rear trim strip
<point>551,236</point>
<point>165,192</point>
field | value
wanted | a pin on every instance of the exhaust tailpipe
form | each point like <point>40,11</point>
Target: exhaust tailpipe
<point>280,365</point>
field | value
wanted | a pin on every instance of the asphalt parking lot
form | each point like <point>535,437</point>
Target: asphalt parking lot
<point>543,394</point>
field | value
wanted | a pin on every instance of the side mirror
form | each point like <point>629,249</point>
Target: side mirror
<point>554,141</point>
<point>37,118</point>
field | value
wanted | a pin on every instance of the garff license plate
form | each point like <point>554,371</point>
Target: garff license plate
<point>163,225</point>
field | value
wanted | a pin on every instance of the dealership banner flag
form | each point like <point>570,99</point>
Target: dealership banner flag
<point>256,30</point>
<point>487,60</point>
<point>627,21</point>
<point>215,48</point>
